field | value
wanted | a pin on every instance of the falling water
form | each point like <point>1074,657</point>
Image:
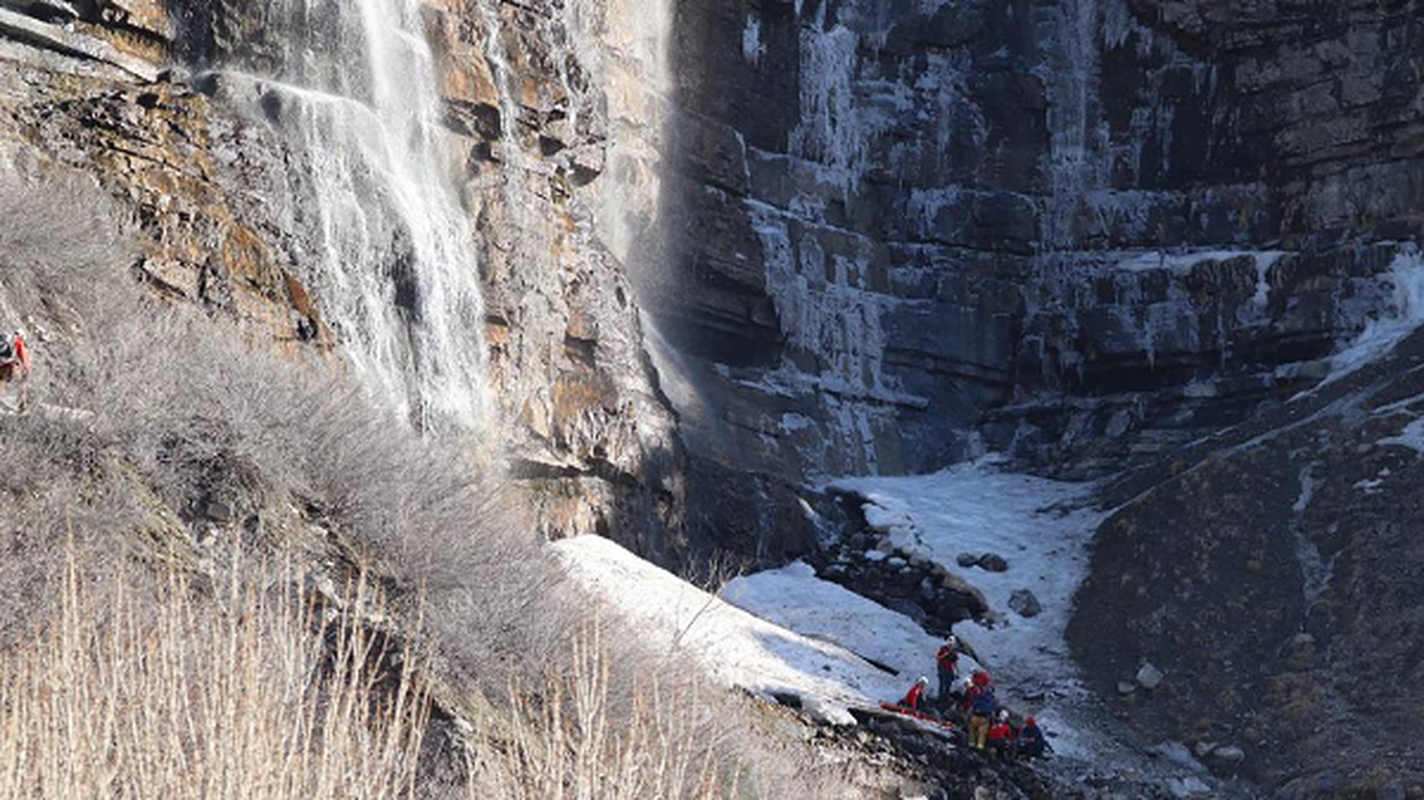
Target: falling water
<point>394,252</point>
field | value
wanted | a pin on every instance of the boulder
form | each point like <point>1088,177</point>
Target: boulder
<point>1149,677</point>
<point>1226,760</point>
<point>1025,604</point>
<point>1184,788</point>
<point>993,562</point>
<point>967,560</point>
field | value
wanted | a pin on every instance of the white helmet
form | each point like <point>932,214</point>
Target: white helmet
<point>1003,716</point>
<point>923,681</point>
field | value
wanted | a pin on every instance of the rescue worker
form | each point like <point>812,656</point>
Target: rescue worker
<point>947,662</point>
<point>981,714</point>
<point>1001,737</point>
<point>14,361</point>
<point>1032,743</point>
<point>916,693</point>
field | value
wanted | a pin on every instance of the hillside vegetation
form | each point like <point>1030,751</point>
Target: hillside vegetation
<point>149,646</point>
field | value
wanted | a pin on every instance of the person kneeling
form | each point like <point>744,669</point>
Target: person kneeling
<point>1032,743</point>
<point>1001,737</point>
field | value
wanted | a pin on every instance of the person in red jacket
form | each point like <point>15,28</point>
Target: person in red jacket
<point>916,693</point>
<point>14,357</point>
<point>1002,737</point>
<point>947,662</point>
<point>14,361</point>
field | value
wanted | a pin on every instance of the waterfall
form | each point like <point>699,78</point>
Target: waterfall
<point>391,253</point>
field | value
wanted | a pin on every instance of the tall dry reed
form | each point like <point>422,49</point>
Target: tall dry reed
<point>568,740</point>
<point>248,692</point>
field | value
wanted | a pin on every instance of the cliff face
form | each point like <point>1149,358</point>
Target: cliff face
<point>899,217</point>
<point>219,161</point>
<point>856,236</point>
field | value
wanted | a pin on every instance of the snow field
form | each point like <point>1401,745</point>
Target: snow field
<point>734,647</point>
<point>1042,528</point>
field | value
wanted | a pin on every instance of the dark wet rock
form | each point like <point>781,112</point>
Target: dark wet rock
<point>1229,757</point>
<point>993,562</point>
<point>1025,604</point>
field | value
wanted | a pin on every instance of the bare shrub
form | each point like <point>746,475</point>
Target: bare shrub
<point>146,410</point>
<point>162,692</point>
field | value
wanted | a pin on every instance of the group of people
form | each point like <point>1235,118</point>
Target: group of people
<point>972,699</point>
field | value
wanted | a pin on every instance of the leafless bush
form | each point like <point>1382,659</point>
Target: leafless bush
<point>145,409</point>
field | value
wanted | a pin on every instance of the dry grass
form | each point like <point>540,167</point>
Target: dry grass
<point>569,740</point>
<point>251,694</point>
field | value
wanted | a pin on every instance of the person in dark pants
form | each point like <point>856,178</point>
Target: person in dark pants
<point>947,662</point>
<point>1032,743</point>
<point>14,363</point>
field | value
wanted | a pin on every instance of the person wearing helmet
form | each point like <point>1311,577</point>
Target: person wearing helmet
<point>1001,737</point>
<point>981,713</point>
<point>947,662</point>
<point>14,361</point>
<point>916,693</point>
<point>1032,743</point>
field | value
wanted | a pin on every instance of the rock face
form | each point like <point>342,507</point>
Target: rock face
<point>888,223</point>
<point>1267,573</point>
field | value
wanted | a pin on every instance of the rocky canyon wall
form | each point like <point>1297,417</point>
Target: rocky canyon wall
<point>725,248</point>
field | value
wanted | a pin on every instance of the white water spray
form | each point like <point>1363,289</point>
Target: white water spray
<point>395,266</point>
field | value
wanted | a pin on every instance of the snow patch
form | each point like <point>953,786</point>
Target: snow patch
<point>796,599</point>
<point>734,647</point>
<point>1412,436</point>
<point>1184,262</point>
<point>1040,526</point>
<point>753,48</point>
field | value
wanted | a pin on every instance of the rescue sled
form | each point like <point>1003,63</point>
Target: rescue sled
<point>933,724</point>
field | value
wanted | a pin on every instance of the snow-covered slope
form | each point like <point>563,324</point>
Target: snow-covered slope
<point>735,647</point>
<point>1040,527</point>
<point>796,599</point>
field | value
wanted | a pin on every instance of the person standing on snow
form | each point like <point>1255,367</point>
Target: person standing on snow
<point>916,693</point>
<point>981,712</point>
<point>947,662</point>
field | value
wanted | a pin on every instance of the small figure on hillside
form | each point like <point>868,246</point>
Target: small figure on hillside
<point>1001,737</point>
<point>1032,743</point>
<point>947,662</point>
<point>15,361</point>
<point>981,713</point>
<point>916,693</point>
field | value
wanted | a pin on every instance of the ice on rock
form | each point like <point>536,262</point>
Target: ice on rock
<point>1406,276</point>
